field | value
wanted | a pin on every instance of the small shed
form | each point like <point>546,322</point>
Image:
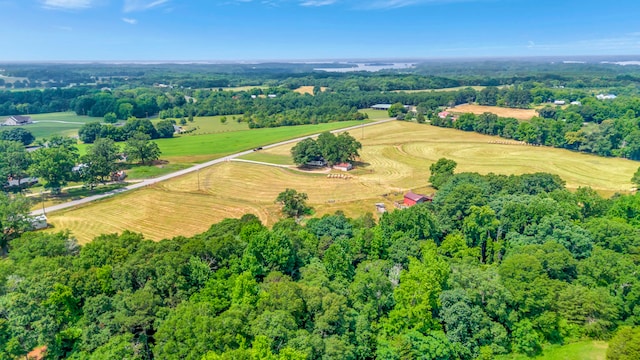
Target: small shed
<point>380,207</point>
<point>559,102</point>
<point>21,182</point>
<point>412,198</point>
<point>318,163</point>
<point>343,166</point>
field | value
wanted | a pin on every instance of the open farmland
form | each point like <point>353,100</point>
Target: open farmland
<point>62,123</point>
<point>308,89</point>
<point>520,114</point>
<point>583,350</point>
<point>396,157</point>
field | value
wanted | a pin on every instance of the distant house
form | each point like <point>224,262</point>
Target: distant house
<point>17,120</point>
<point>381,106</point>
<point>576,103</point>
<point>254,96</point>
<point>559,102</point>
<point>177,129</point>
<point>605,97</point>
<point>271,96</point>
<point>343,166</point>
<point>412,198</point>
<point>118,176</point>
<point>380,207</point>
<point>443,114</point>
<point>22,182</point>
<point>318,163</point>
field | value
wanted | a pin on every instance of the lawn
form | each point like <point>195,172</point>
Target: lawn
<point>395,158</point>
<point>63,123</point>
<point>584,350</point>
<point>212,124</point>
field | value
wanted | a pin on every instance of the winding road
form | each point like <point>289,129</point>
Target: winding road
<point>191,169</point>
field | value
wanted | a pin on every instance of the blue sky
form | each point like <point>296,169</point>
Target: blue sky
<point>42,30</point>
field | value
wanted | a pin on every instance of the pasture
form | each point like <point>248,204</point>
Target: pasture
<point>395,158</point>
<point>63,123</point>
<point>583,350</point>
<point>520,114</point>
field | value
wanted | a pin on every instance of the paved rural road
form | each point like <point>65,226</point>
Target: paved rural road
<point>172,175</point>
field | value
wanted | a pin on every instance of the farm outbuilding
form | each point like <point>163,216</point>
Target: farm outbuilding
<point>412,198</point>
<point>39,222</point>
<point>343,166</point>
<point>381,106</point>
<point>17,120</point>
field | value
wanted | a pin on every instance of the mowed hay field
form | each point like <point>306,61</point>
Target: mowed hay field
<point>396,157</point>
<point>308,89</point>
<point>520,114</point>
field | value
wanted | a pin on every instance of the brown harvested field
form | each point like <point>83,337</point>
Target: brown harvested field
<point>308,89</point>
<point>396,157</point>
<point>520,114</point>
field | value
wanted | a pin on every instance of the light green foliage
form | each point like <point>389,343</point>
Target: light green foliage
<point>293,203</point>
<point>54,162</point>
<point>140,147</point>
<point>441,171</point>
<point>625,345</point>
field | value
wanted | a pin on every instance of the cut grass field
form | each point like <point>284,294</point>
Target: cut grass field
<point>212,125</point>
<point>584,350</point>
<point>395,158</point>
<point>62,123</point>
<point>308,89</point>
<point>520,114</point>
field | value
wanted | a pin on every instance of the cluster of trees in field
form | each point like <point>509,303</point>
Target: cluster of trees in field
<point>54,162</point>
<point>328,147</point>
<point>92,131</point>
<point>496,264</point>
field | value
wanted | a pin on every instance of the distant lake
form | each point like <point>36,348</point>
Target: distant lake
<point>367,67</point>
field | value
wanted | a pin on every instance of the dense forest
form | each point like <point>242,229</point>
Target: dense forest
<point>495,264</point>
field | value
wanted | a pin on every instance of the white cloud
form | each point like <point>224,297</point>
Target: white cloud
<point>68,4</point>
<point>317,2</point>
<point>130,21</point>
<point>142,5</point>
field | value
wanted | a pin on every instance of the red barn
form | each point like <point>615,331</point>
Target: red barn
<point>411,198</point>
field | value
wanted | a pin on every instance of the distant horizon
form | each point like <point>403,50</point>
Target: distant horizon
<point>568,58</point>
<point>279,30</point>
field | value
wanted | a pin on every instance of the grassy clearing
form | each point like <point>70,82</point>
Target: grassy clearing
<point>63,123</point>
<point>211,146</point>
<point>520,114</point>
<point>308,89</point>
<point>242,88</point>
<point>375,114</point>
<point>279,159</point>
<point>211,125</point>
<point>584,350</point>
<point>396,157</point>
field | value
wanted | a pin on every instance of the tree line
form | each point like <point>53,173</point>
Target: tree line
<point>496,264</point>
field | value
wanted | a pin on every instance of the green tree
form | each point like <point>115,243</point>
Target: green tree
<point>625,345</point>
<point>140,147</point>
<point>636,178</point>
<point>165,128</point>
<point>293,203</point>
<point>18,134</point>
<point>110,118</point>
<point>396,110</point>
<point>89,132</point>
<point>14,160</point>
<point>100,162</point>
<point>441,171</point>
<point>13,218</point>
<point>223,120</point>
<point>54,163</point>
<point>305,151</point>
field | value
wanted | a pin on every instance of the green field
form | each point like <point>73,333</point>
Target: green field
<point>194,149</point>
<point>63,123</point>
<point>212,124</point>
<point>395,158</point>
<point>584,350</point>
